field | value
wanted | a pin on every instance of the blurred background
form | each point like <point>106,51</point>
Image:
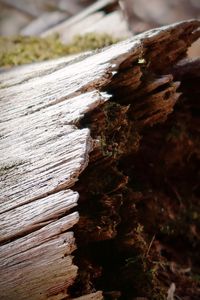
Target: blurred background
<point>121,19</point>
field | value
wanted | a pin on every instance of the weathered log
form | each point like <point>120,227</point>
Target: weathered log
<point>27,7</point>
<point>113,24</point>
<point>88,16</point>
<point>54,121</point>
<point>28,263</point>
<point>44,22</point>
<point>41,7</point>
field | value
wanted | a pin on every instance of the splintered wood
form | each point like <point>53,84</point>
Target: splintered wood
<point>43,150</point>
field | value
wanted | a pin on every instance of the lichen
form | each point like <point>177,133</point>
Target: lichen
<point>19,50</point>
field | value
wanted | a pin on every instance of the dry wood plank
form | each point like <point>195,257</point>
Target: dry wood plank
<point>76,78</point>
<point>23,73</point>
<point>45,97</point>
<point>29,217</point>
<point>67,34</point>
<point>43,22</point>
<point>113,24</point>
<point>47,252</point>
<point>64,26</point>
<point>49,96</point>
<point>50,152</point>
<point>72,7</point>
<point>35,239</point>
<point>101,23</point>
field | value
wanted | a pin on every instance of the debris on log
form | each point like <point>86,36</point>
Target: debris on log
<point>97,161</point>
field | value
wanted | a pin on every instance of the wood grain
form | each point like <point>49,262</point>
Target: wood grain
<point>43,151</point>
<point>39,265</point>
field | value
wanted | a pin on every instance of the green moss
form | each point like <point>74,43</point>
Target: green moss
<point>118,132</point>
<point>19,50</point>
<point>90,41</point>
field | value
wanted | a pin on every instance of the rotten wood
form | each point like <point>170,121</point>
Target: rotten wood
<point>93,296</point>
<point>46,143</point>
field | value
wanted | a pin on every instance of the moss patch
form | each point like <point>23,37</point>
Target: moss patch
<point>19,50</point>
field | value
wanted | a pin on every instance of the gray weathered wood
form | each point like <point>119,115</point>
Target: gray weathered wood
<point>50,152</point>
<point>99,22</point>
<point>43,152</point>
<point>99,5</point>
<point>36,214</point>
<point>23,73</point>
<point>67,34</point>
<point>39,265</point>
<point>44,22</point>
<point>113,24</point>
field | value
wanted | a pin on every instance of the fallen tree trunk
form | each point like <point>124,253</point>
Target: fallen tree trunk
<point>56,121</point>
